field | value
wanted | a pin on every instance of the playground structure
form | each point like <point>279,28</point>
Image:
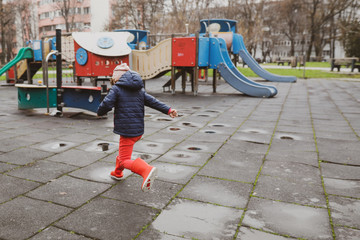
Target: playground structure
<point>94,56</point>
<point>138,39</point>
<point>226,29</point>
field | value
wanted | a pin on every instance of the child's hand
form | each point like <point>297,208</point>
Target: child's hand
<point>173,113</point>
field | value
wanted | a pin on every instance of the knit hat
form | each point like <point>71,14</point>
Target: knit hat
<point>119,71</point>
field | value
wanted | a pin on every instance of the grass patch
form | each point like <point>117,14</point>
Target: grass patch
<point>308,64</point>
<point>299,73</point>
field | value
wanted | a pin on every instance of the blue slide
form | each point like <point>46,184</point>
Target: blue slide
<point>220,60</point>
<point>239,45</point>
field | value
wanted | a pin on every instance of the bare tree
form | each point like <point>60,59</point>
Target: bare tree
<point>137,14</point>
<point>290,21</point>
<point>7,27</point>
<point>25,19</point>
<point>66,9</point>
<point>320,13</point>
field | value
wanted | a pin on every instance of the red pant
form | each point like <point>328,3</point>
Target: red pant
<point>123,160</point>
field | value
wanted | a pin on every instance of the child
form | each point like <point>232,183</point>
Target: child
<point>128,97</point>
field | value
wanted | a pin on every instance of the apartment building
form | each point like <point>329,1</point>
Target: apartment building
<point>84,15</point>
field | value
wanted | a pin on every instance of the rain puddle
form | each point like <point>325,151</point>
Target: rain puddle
<point>175,129</point>
<point>287,136</point>
<point>198,220</point>
<point>286,218</point>
<point>100,147</point>
<point>164,119</point>
<point>175,173</point>
<point>254,130</point>
<point>56,146</point>
<point>101,174</point>
<point>189,124</point>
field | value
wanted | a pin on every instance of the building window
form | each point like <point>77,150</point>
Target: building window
<point>87,10</point>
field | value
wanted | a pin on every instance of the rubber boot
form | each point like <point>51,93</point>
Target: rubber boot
<point>148,173</point>
<point>117,174</point>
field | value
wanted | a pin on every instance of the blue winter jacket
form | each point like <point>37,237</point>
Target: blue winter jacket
<point>128,97</point>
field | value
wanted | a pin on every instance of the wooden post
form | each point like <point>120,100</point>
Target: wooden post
<point>172,69</point>
<point>183,80</point>
<point>28,71</point>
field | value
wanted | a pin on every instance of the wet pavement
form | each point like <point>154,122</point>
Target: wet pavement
<point>230,167</point>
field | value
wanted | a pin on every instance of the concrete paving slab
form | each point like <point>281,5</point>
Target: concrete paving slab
<point>217,191</point>
<point>78,137</point>
<point>174,173</point>
<point>287,190</point>
<point>339,151</point>
<point>342,187</point>
<point>69,191</point>
<point>285,219</point>
<point>199,146</point>
<point>77,157</point>
<point>295,172</point>
<point>245,146</point>
<point>108,219</point>
<point>243,128</point>
<point>345,211</point>
<point>347,233</point>
<point>339,171</point>
<point>236,166</point>
<point>10,144</point>
<point>309,158</point>
<point>151,233</point>
<point>208,136</point>
<point>97,147</point>
<point>162,137</point>
<point>23,217</point>
<point>41,171</point>
<point>185,157</point>
<point>54,146</point>
<point>144,146</point>
<point>4,167</point>
<point>198,220</point>
<point>11,187</point>
<point>292,145</point>
<point>252,137</point>
<point>253,234</point>
<point>98,172</point>
<point>158,197</point>
<point>25,155</point>
<point>57,233</point>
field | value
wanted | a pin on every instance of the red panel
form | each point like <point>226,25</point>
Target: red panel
<point>104,66</point>
<point>97,65</point>
<point>184,52</point>
<point>11,73</point>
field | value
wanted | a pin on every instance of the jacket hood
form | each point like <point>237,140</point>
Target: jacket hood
<point>130,80</point>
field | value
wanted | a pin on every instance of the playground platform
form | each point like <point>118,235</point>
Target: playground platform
<point>230,167</point>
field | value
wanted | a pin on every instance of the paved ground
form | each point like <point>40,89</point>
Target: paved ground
<point>231,167</point>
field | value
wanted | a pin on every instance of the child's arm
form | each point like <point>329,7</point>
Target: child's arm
<point>172,113</point>
<point>152,102</point>
<point>108,103</point>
